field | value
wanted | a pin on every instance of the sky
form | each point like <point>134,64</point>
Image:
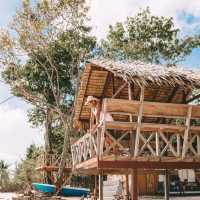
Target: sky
<point>15,132</point>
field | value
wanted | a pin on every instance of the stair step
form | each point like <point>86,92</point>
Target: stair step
<point>111,188</point>
<point>116,182</point>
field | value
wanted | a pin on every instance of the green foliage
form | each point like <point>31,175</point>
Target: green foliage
<point>32,152</point>
<point>42,51</point>
<point>53,52</point>
<point>25,172</point>
<point>148,38</point>
<point>4,175</point>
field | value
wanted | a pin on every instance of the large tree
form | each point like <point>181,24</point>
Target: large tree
<point>148,38</point>
<point>42,51</point>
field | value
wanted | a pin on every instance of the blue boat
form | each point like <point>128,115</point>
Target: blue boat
<point>65,191</point>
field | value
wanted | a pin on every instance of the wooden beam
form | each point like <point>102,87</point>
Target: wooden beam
<point>134,193</point>
<point>178,140</point>
<point>166,184</point>
<point>149,127</point>
<point>95,187</point>
<point>113,84</point>
<point>107,81</point>
<point>151,109</point>
<point>173,93</point>
<point>132,137</point>
<point>193,98</point>
<point>120,164</point>
<point>101,186</point>
<point>127,186</point>
<point>89,65</point>
<point>186,134</point>
<point>52,168</point>
<point>157,144</point>
<point>119,90</point>
<point>134,185</point>
<point>139,121</point>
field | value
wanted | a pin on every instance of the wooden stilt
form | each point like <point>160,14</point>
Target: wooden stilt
<point>134,193</point>
<point>134,188</point>
<point>166,184</point>
<point>100,186</point>
<point>127,187</point>
<point>95,187</point>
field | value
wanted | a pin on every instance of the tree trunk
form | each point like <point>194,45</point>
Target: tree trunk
<point>65,153</point>
<point>48,145</point>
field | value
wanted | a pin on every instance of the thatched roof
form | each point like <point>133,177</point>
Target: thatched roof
<point>102,77</point>
<point>142,73</point>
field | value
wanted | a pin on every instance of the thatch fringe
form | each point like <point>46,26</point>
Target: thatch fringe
<point>146,74</point>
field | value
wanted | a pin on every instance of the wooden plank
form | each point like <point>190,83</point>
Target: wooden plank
<point>195,112</point>
<point>119,90</point>
<point>166,185</point>
<point>154,109</point>
<point>149,127</point>
<point>120,125</point>
<point>122,105</point>
<point>148,164</point>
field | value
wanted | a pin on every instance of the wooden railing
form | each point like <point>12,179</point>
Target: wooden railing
<point>85,148</point>
<point>143,140</point>
<point>53,160</point>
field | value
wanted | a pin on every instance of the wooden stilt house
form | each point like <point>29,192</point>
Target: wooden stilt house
<point>154,127</point>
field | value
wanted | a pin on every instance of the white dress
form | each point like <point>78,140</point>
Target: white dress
<point>107,116</point>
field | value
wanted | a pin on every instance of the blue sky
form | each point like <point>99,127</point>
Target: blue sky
<point>15,132</point>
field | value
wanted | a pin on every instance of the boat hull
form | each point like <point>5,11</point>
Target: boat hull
<point>65,191</point>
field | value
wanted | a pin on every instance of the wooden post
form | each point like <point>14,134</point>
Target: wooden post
<point>157,145</point>
<point>186,133</point>
<point>132,138</point>
<point>178,138</point>
<point>134,193</point>
<point>95,187</point>
<point>127,186</point>
<point>101,186</point>
<point>134,185</point>
<point>166,184</point>
<point>139,120</point>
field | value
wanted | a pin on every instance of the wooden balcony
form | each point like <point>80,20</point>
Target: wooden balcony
<point>53,163</point>
<point>145,135</point>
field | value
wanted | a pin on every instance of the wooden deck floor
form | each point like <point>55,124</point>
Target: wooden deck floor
<point>123,166</point>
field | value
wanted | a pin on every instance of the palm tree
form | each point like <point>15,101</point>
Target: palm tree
<point>4,175</point>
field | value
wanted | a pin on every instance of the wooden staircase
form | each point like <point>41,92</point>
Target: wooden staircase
<point>112,189</point>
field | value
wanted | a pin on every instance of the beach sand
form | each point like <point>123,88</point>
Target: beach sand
<point>6,196</point>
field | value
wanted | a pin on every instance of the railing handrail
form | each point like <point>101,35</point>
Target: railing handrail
<point>150,109</point>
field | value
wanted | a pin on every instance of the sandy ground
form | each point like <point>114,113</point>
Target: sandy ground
<point>171,198</point>
<point>6,196</point>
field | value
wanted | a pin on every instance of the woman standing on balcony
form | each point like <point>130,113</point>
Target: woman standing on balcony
<point>97,116</point>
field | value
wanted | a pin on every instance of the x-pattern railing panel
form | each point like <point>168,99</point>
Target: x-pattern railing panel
<point>84,149</point>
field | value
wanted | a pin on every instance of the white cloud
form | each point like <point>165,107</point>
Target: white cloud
<point>15,133</point>
<point>105,12</point>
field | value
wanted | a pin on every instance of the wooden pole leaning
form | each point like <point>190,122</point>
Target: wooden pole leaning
<point>134,192</point>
